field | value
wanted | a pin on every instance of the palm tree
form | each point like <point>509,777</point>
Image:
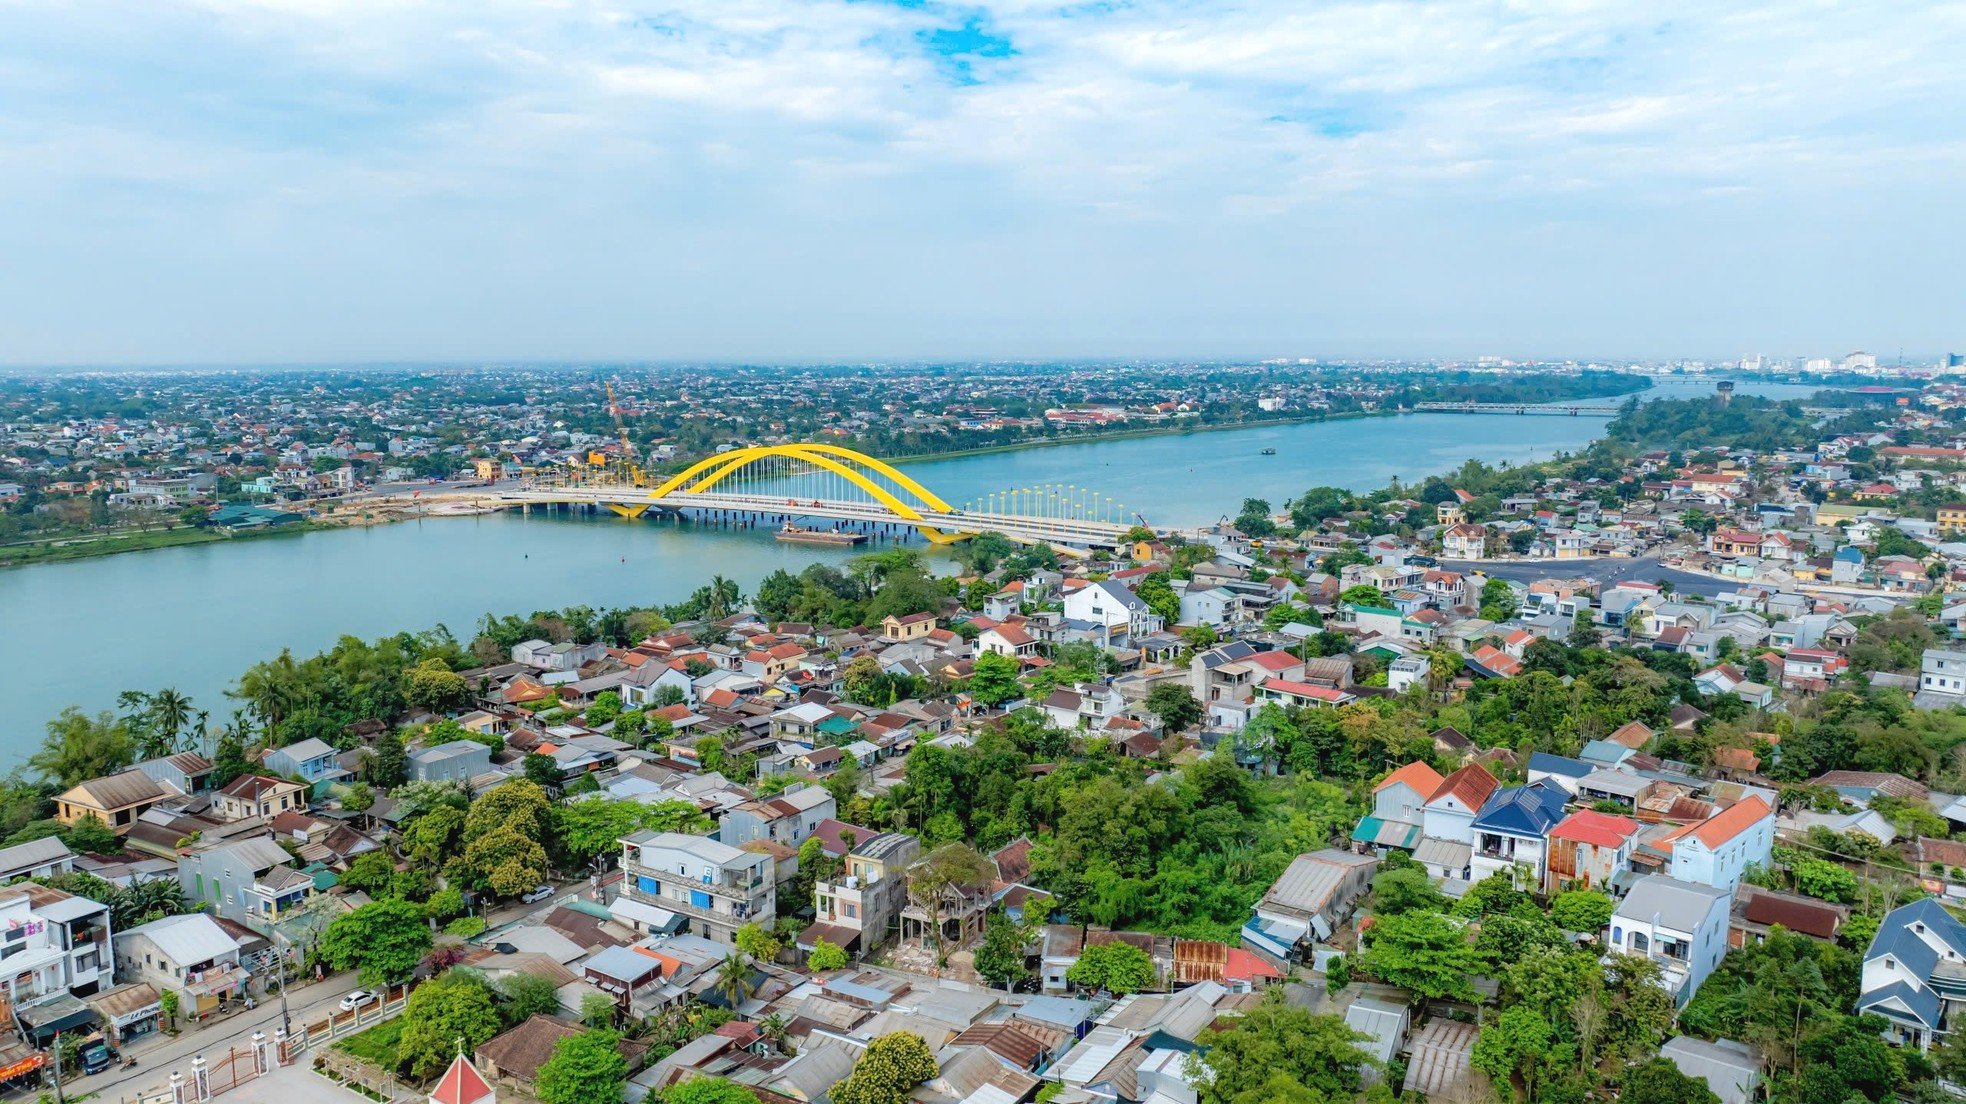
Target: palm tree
<point>170,712</point>
<point>734,980</point>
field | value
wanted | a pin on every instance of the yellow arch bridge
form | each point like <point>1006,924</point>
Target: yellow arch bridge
<point>820,488</point>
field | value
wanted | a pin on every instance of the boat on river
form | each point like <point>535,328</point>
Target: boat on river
<point>793,534</point>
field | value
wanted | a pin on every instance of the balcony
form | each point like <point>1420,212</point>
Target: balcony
<point>725,885</point>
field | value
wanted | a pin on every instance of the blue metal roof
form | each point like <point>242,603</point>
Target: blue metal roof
<point>1558,764</point>
<point>1529,811</point>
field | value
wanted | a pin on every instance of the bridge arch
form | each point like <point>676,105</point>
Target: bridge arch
<point>859,469</point>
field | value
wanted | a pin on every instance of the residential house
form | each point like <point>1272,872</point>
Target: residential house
<point>456,761</point>
<point>258,795</point>
<point>1512,828</point>
<point>1941,678</point>
<point>1309,900</point>
<point>1587,849</point>
<point>1464,541</point>
<point>188,772</point>
<point>1718,850</point>
<point>788,818</point>
<point>1679,925</point>
<point>46,857</point>
<point>312,760</point>
<point>1915,972</point>
<point>1397,804</point>
<point>1756,911</point>
<point>1450,812</point>
<point>915,626</point>
<point>718,887</point>
<point>858,909</point>
<point>1007,640</point>
<point>117,800</point>
<point>249,881</point>
<point>55,943</point>
<point>191,955</point>
<point>1119,612</point>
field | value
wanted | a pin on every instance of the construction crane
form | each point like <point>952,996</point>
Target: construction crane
<point>620,425</point>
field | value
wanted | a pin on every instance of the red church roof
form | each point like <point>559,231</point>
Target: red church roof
<point>461,1084</point>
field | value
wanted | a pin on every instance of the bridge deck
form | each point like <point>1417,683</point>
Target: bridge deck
<point>1056,530</point>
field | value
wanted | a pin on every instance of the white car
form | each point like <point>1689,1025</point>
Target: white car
<point>356,1000</point>
<point>537,893</point>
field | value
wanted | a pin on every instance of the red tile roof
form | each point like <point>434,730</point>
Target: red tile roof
<point>1599,829</point>
<point>1423,778</point>
<point>461,1084</point>
<point>1470,785</point>
<point>1731,821</point>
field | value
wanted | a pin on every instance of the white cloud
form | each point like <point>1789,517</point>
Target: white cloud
<point>794,127</point>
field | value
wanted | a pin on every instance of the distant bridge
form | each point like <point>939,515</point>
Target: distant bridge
<point>847,491</point>
<point>1586,409</point>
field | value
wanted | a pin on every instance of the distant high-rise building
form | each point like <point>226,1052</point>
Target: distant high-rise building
<point>1952,362</point>
<point>1819,365</point>
<point>1751,364</point>
<point>1859,362</point>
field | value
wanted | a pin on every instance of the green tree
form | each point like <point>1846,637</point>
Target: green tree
<point>90,836</point>
<point>1001,958</point>
<point>1174,704</point>
<point>1497,600</point>
<point>1279,1053</point>
<point>389,767</point>
<point>757,942</point>
<point>451,1010</point>
<point>516,806</point>
<point>1581,910</point>
<point>708,1090</point>
<point>1405,889</point>
<point>506,862</point>
<point>993,680</point>
<point>887,1071</point>
<point>593,827</point>
<point>433,837</point>
<point>1424,952</point>
<point>1660,1082</point>
<point>79,747</point>
<point>1363,594</point>
<point>384,940</point>
<point>370,873</point>
<point>525,996</point>
<point>432,685</point>
<point>1157,591</point>
<point>1117,968</point>
<point>825,956</point>
<point>597,1010</point>
<point>167,1004</point>
<point>585,1069</point>
<point>1517,1046</point>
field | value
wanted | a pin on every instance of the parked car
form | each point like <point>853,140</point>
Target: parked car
<point>537,893</point>
<point>356,1000</point>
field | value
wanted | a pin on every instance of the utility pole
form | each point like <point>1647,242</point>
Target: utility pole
<point>60,1097</point>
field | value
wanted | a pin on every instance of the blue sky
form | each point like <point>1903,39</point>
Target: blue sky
<point>242,181</point>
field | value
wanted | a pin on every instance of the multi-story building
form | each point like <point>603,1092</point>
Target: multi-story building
<point>867,898</point>
<point>1915,972</point>
<point>787,818</point>
<point>1679,925</point>
<point>716,887</point>
<point>1511,832</point>
<point>52,945</point>
<point>259,795</point>
<point>1718,850</point>
<point>249,881</point>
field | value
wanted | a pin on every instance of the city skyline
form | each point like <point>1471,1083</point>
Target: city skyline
<point>752,180</point>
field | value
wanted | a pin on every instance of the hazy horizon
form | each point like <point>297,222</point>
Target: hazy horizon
<point>217,184</point>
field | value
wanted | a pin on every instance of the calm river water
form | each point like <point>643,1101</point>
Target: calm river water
<point>194,618</point>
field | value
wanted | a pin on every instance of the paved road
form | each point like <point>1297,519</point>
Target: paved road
<point>1641,569</point>
<point>159,1055</point>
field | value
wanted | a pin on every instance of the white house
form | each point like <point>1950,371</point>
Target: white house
<point>1679,925</point>
<point>1450,812</point>
<point>1119,611</point>
<point>1716,851</point>
<point>1915,972</point>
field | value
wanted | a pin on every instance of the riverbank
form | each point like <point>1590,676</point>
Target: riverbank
<point>1185,430</point>
<point>68,549</point>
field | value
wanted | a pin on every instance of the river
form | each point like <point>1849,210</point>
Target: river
<point>194,617</point>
